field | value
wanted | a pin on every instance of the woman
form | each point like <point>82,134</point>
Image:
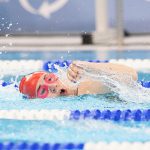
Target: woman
<point>44,85</point>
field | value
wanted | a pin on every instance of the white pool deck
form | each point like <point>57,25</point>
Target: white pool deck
<point>63,43</point>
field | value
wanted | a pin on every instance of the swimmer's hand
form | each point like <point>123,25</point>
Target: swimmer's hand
<point>79,69</point>
<point>76,70</point>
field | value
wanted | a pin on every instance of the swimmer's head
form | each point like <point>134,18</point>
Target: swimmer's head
<point>44,85</point>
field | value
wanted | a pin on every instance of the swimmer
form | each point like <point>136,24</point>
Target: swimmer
<point>43,85</point>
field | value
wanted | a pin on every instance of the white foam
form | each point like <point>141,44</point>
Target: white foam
<point>130,91</point>
<point>62,74</point>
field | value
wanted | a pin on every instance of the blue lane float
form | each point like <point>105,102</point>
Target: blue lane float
<point>115,115</point>
<point>39,146</point>
<point>145,84</point>
<point>75,115</point>
<point>50,65</point>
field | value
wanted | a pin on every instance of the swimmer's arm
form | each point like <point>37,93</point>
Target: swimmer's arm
<point>115,69</point>
<point>92,87</point>
<point>77,68</point>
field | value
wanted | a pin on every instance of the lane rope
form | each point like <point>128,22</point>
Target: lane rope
<point>75,146</point>
<point>49,66</point>
<point>21,67</point>
<point>113,115</point>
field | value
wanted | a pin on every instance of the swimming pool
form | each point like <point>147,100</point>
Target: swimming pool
<point>63,131</point>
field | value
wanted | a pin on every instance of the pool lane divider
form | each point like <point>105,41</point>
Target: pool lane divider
<point>73,146</point>
<point>39,146</point>
<point>75,115</point>
<point>22,67</point>
<point>49,66</point>
<point>145,84</point>
<point>135,63</point>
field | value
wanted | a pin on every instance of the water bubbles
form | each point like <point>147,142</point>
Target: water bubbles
<point>10,24</point>
<point>13,93</point>
<point>5,25</point>
<point>7,35</point>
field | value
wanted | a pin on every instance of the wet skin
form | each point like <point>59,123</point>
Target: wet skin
<point>50,85</point>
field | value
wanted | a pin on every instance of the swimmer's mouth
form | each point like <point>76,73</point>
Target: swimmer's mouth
<point>63,92</point>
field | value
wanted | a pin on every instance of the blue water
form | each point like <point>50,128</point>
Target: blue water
<point>15,100</point>
<point>70,131</point>
<point>74,55</point>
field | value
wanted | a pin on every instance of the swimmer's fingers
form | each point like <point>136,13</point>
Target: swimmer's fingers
<point>75,72</point>
<point>73,76</point>
<point>76,69</point>
<point>72,73</point>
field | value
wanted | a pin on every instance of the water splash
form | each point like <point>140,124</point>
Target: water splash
<point>10,91</point>
<point>131,92</point>
<point>128,90</point>
<point>62,74</point>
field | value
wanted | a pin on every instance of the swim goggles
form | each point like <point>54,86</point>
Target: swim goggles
<point>43,90</point>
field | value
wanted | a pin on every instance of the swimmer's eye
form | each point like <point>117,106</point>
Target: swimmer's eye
<point>42,91</point>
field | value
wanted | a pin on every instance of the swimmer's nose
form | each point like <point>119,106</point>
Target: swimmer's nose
<point>62,92</point>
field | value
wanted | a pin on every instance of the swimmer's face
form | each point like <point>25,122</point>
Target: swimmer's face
<point>49,85</point>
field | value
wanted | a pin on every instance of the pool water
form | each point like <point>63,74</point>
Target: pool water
<point>70,131</point>
<point>76,55</point>
<point>73,131</point>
